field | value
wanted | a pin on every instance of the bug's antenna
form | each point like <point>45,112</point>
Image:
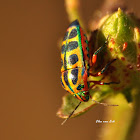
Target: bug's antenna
<point>105,104</point>
<point>71,114</point>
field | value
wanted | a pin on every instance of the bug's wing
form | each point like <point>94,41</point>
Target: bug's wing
<point>72,52</point>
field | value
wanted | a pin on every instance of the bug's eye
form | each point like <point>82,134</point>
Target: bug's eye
<point>80,87</point>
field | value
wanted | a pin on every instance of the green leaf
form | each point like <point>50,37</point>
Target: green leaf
<point>70,102</point>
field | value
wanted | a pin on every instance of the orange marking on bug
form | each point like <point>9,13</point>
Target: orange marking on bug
<point>85,81</point>
<point>99,73</point>
<point>124,46</point>
<point>78,97</point>
<point>94,58</point>
<point>83,98</point>
<point>112,40</point>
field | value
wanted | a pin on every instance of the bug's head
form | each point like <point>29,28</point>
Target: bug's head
<point>82,96</point>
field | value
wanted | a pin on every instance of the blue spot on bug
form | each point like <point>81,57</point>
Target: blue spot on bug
<point>74,74</point>
<point>61,62</point>
<point>73,33</point>
<point>72,45</point>
<point>66,77</point>
<point>73,59</point>
<point>65,37</point>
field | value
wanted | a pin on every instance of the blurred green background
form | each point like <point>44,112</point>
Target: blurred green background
<point>30,90</point>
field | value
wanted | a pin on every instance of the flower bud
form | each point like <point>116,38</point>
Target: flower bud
<point>124,45</point>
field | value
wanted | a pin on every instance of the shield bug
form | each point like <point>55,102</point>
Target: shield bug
<point>76,63</point>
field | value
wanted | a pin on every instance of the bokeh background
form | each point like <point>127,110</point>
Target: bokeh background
<point>30,90</point>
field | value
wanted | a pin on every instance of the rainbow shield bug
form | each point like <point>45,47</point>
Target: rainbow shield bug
<point>76,63</point>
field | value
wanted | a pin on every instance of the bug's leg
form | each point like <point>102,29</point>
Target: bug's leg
<point>94,83</point>
<point>105,104</point>
<point>101,83</point>
<point>94,57</point>
<point>71,113</point>
<point>103,70</point>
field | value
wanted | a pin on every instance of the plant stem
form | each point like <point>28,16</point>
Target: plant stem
<point>73,11</point>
